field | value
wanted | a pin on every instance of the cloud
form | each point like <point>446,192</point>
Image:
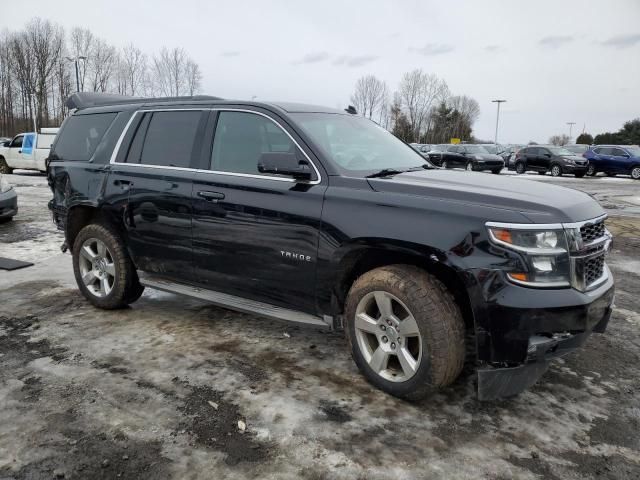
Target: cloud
<point>555,41</point>
<point>314,57</point>
<point>230,53</point>
<point>493,48</point>
<point>355,61</point>
<point>432,49</point>
<point>622,41</point>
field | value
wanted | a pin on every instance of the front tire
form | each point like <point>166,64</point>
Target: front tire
<point>104,272</point>
<point>556,171</point>
<point>444,164</point>
<point>591,171</point>
<point>4,167</point>
<point>405,331</point>
<point>496,171</point>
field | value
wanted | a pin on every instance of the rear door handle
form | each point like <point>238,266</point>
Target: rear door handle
<point>124,184</point>
<point>211,196</point>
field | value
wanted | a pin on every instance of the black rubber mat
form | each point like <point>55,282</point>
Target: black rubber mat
<point>9,264</point>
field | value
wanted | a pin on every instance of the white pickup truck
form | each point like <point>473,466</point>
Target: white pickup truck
<point>27,151</point>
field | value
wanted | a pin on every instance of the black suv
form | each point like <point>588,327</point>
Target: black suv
<point>319,216</point>
<point>470,157</point>
<point>549,158</point>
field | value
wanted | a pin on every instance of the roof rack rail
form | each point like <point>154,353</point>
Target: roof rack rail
<point>82,100</point>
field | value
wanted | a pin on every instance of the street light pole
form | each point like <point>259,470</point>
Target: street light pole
<point>75,60</point>
<point>571,124</point>
<point>495,140</point>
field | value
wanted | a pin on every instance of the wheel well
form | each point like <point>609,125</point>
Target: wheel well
<point>80,216</point>
<point>366,260</point>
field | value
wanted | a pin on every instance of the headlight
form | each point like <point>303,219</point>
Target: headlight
<point>545,253</point>
<point>569,161</point>
<point>4,185</point>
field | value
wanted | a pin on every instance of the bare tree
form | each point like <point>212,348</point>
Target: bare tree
<point>194,77</point>
<point>81,45</point>
<point>171,69</point>
<point>101,64</point>
<point>559,139</point>
<point>419,92</point>
<point>132,71</point>
<point>370,96</point>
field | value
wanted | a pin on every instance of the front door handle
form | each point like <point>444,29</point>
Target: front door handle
<point>211,196</point>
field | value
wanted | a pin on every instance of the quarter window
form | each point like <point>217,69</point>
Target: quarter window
<point>240,140</point>
<point>81,135</point>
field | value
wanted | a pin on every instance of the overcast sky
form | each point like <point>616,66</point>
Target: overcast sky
<point>554,61</point>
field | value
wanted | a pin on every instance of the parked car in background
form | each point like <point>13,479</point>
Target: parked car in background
<point>8,200</point>
<point>493,148</point>
<point>435,153</point>
<point>4,140</point>
<point>578,148</point>
<point>549,158</point>
<point>472,158</point>
<point>27,151</point>
<point>508,154</point>
<point>614,160</point>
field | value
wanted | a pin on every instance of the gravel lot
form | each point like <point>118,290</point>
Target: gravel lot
<point>163,389</point>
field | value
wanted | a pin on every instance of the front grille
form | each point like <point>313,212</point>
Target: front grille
<point>593,269</point>
<point>592,231</point>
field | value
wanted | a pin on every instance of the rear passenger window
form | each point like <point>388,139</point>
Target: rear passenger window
<point>169,138</point>
<point>81,135</point>
<point>241,139</point>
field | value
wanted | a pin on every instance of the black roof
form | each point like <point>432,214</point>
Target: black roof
<point>82,100</point>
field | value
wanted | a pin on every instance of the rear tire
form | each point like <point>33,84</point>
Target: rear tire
<point>520,169</point>
<point>635,173</point>
<point>469,167</point>
<point>496,171</point>
<point>104,272</point>
<point>4,167</point>
<point>591,171</point>
<point>421,315</point>
<point>444,164</point>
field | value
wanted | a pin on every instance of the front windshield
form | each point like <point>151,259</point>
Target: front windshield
<point>475,149</point>
<point>560,151</point>
<point>577,148</point>
<point>356,144</point>
<point>490,148</point>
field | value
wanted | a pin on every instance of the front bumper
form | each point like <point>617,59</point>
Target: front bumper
<point>8,204</point>
<point>575,168</point>
<point>523,329</point>
<point>482,165</point>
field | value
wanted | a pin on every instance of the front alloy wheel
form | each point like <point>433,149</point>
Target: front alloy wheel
<point>388,336</point>
<point>469,167</point>
<point>97,267</point>
<point>519,168</point>
<point>591,170</point>
<point>556,171</point>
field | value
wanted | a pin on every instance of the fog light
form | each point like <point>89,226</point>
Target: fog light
<point>543,264</point>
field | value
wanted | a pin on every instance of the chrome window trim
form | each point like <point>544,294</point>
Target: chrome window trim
<point>116,150</point>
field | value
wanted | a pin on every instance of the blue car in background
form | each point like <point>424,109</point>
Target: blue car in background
<point>613,160</point>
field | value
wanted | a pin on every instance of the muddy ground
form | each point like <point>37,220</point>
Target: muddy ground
<point>176,388</point>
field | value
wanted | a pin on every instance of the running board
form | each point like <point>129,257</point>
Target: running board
<point>232,302</point>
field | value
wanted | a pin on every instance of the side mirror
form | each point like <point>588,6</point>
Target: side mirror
<point>548,155</point>
<point>285,164</point>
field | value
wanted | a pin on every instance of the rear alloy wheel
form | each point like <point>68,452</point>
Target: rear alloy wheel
<point>556,171</point>
<point>444,164</point>
<point>469,167</point>
<point>591,170</point>
<point>405,331</point>
<point>635,173</point>
<point>520,168</point>
<point>104,272</point>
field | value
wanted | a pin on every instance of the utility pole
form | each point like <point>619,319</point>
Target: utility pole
<point>495,140</point>
<point>571,124</point>
<point>75,60</point>
<point>32,96</point>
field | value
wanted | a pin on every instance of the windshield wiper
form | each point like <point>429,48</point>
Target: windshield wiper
<point>386,172</point>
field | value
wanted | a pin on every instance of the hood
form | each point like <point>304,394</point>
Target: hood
<point>540,202</point>
<point>575,158</point>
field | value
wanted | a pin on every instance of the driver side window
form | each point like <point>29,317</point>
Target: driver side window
<point>240,140</point>
<point>17,142</point>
